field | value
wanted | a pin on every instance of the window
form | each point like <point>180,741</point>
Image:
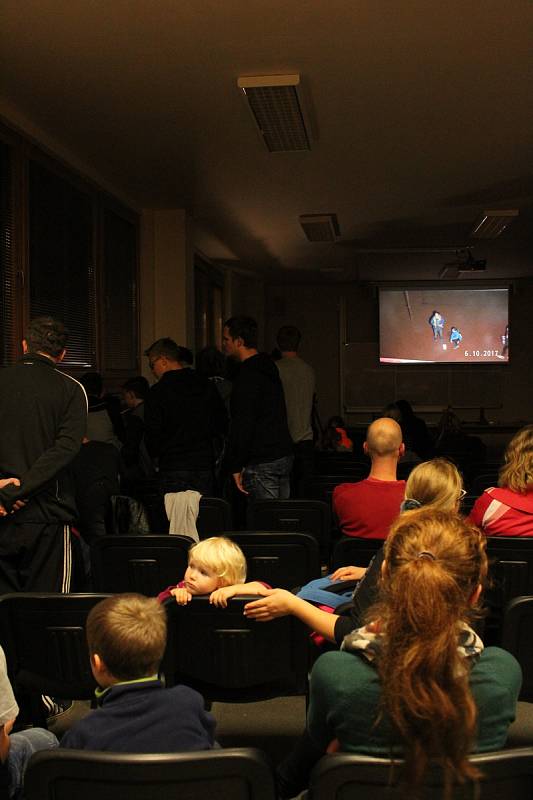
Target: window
<point>70,250</point>
<point>8,338</point>
<point>61,260</point>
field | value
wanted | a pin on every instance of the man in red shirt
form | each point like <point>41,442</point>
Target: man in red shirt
<point>366,509</point>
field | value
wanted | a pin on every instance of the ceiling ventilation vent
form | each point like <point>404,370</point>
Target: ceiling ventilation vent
<point>492,223</point>
<point>320,227</point>
<point>275,103</point>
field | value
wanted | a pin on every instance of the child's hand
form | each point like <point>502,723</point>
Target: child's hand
<point>348,574</point>
<point>221,596</point>
<point>182,595</point>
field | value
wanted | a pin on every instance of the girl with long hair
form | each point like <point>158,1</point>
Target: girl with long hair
<point>507,510</point>
<point>415,681</point>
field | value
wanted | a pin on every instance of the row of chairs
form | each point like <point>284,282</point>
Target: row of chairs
<point>147,564</point>
<point>219,652</point>
<point>239,773</point>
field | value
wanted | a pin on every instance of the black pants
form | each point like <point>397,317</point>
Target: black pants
<point>34,557</point>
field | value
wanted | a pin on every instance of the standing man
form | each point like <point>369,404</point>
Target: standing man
<point>298,379</point>
<point>44,417</point>
<point>260,446</point>
<point>182,415</point>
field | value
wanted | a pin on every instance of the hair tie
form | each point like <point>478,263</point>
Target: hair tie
<point>426,554</point>
<point>408,504</point>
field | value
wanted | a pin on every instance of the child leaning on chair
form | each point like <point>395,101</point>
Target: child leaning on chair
<point>217,567</point>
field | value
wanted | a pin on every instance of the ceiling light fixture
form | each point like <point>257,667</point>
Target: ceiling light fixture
<point>320,227</point>
<point>276,106</point>
<point>493,223</point>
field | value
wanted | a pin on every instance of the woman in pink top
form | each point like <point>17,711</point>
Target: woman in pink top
<point>508,509</point>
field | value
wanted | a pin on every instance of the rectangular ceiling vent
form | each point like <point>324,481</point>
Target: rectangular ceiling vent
<point>492,223</point>
<point>275,103</point>
<point>320,227</point>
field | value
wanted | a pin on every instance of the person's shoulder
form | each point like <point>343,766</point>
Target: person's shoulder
<point>184,696</point>
<point>339,669</point>
<point>500,665</point>
<point>349,488</point>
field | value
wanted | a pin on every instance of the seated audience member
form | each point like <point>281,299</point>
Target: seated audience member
<point>367,508</point>
<point>507,510</point>
<point>127,635</point>
<point>217,567</point>
<point>335,437</point>
<point>416,681</point>
<point>415,432</point>
<point>16,749</point>
<point>452,441</point>
<point>435,485</point>
<point>137,464</point>
<point>104,421</point>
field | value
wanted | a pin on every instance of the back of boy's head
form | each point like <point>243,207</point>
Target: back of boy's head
<point>222,557</point>
<point>129,633</point>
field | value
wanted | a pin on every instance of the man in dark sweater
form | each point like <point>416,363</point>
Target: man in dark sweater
<point>260,445</point>
<point>182,415</point>
<point>44,416</point>
<point>126,635</point>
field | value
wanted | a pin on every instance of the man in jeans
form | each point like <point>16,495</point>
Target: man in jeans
<point>260,446</point>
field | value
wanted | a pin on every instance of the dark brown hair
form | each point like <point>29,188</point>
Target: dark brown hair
<point>129,633</point>
<point>434,562</point>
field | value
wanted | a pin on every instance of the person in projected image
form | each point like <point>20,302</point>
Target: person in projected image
<point>456,337</point>
<point>505,342</point>
<point>437,323</point>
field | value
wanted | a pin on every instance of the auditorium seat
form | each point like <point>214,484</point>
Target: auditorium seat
<point>232,774</point>
<point>43,636</point>
<point>283,560</point>
<point>144,564</point>
<point>505,773</point>
<point>226,657</point>
<point>517,639</point>
<point>351,551</point>
<point>291,516</point>
<point>214,517</point>
<point>511,575</point>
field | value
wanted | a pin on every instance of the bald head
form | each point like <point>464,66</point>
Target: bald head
<point>383,437</point>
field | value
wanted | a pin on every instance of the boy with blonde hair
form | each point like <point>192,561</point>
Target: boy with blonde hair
<point>217,567</point>
<point>127,636</point>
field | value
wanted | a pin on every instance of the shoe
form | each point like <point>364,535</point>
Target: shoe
<point>55,707</point>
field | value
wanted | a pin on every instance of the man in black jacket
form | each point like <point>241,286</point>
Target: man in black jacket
<point>44,416</point>
<point>183,413</point>
<point>260,445</point>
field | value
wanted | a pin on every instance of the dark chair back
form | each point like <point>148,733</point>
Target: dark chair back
<point>353,552</point>
<point>481,482</point>
<point>43,636</point>
<point>283,560</point>
<point>517,639</point>
<point>292,516</point>
<point>227,657</point>
<point>341,464</point>
<point>214,517</point>
<point>506,773</point>
<point>321,487</point>
<point>233,774</point>
<point>511,574</point>
<point>144,564</point>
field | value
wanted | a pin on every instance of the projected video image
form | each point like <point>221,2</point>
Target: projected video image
<point>467,326</point>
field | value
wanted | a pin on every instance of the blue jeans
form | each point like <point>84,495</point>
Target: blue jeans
<point>269,480</point>
<point>22,745</point>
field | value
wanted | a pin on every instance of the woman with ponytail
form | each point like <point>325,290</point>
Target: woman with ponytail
<point>415,681</point>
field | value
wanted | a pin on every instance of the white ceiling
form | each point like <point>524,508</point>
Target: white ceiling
<point>421,110</point>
